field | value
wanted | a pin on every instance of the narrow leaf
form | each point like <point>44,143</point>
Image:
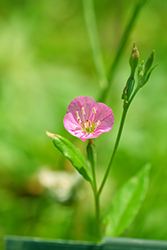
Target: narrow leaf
<point>73,154</point>
<point>127,203</point>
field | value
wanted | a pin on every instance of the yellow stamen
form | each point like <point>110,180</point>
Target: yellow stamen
<point>78,118</point>
<point>98,123</point>
<point>94,110</point>
<point>83,111</point>
<point>77,115</point>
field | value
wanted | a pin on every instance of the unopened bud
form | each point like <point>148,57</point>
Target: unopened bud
<point>140,75</point>
<point>141,67</point>
<point>140,71</point>
<point>134,59</point>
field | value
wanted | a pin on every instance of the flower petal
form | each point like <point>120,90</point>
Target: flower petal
<point>105,115</point>
<point>81,102</point>
<point>70,123</point>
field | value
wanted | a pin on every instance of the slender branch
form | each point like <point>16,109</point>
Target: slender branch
<point>91,26</point>
<point>125,109</point>
<point>122,44</point>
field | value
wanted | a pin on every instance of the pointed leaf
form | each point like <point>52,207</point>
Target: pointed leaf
<point>127,203</point>
<point>149,73</point>
<point>73,154</point>
<point>149,62</point>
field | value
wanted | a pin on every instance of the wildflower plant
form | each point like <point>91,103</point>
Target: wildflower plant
<point>87,119</point>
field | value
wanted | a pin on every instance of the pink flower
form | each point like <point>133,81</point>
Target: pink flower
<point>87,119</point>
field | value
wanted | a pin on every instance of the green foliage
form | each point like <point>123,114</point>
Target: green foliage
<point>149,62</point>
<point>128,89</point>
<point>127,203</point>
<point>73,154</point>
<point>145,70</point>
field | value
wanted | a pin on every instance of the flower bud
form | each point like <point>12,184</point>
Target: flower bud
<point>134,58</point>
<point>140,71</point>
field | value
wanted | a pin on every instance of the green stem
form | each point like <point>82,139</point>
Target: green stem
<point>92,30</point>
<point>91,152</point>
<point>125,37</point>
<point>125,109</point>
<point>97,208</point>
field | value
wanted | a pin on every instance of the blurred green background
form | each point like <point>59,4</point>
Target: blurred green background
<point>45,62</point>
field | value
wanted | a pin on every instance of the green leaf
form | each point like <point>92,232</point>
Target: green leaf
<point>130,87</point>
<point>73,154</point>
<point>127,203</point>
<point>149,62</point>
<point>145,77</point>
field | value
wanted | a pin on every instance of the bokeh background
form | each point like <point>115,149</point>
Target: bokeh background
<point>45,62</point>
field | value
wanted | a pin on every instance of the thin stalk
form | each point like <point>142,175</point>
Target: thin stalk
<point>97,208</point>
<point>122,44</point>
<point>125,109</point>
<point>92,30</point>
<point>91,152</point>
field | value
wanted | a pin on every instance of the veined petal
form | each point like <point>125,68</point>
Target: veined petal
<point>105,115</point>
<point>103,112</point>
<point>81,102</point>
<point>70,123</point>
<point>86,136</point>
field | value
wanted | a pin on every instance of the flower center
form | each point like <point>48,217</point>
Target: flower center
<point>88,126</point>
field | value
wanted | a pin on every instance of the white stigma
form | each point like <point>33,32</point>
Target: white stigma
<point>88,126</point>
<point>98,123</point>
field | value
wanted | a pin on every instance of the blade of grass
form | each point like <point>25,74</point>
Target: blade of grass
<point>138,7</point>
<point>92,30</point>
